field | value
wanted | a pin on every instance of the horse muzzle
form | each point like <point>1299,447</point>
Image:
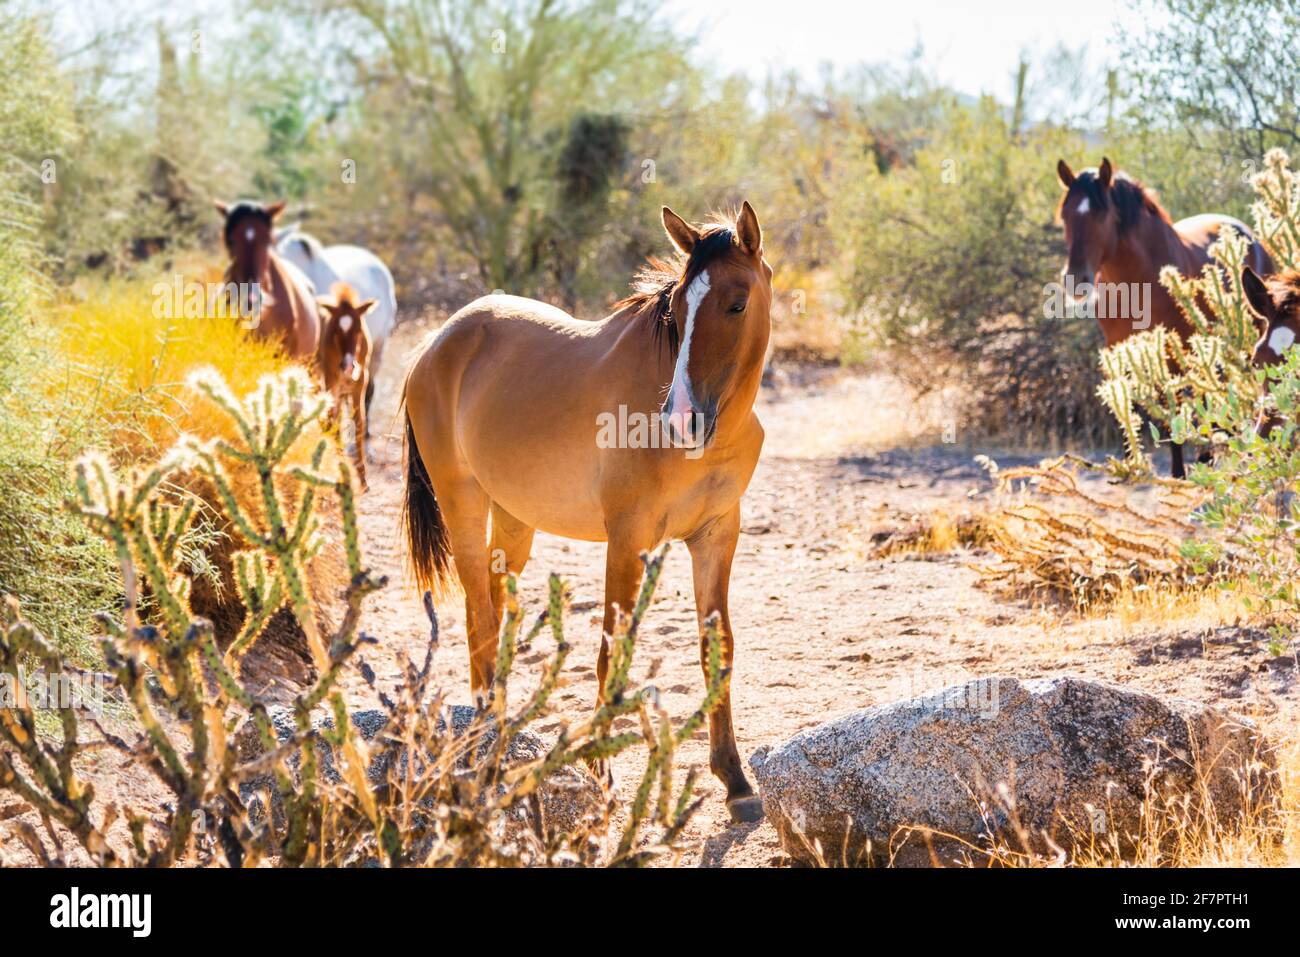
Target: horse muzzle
<point>693,428</point>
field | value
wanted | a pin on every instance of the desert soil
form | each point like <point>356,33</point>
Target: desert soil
<point>821,627</point>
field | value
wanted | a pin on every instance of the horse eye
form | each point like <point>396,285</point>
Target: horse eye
<point>738,307</point>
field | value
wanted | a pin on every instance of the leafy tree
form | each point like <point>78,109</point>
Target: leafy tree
<point>1219,69</point>
<point>494,82</point>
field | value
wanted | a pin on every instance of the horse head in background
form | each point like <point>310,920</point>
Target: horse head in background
<point>285,308</point>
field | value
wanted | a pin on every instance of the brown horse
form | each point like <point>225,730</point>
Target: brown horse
<point>504,413</point>
<point>344,359</point>
<point>1276,304</point>
<point>1119,238</point>
<point>285,307</point>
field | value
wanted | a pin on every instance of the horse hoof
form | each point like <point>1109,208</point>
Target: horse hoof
<point>745,810</point>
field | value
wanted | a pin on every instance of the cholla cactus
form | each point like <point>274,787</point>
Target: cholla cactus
<point>1277,211</point>
<point>445,793</point>
<point>1156,375</point>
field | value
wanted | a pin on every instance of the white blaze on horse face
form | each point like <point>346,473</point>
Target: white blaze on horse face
<point>345,323</point>
<point>1281,339</point>
<point>681,405</point>
<point>1083,207</point>
<point>249,233</point>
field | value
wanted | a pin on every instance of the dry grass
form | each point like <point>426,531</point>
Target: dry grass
<point>1172,604</point>
<point>132,365</point>
<point>1267,835</point>
<point>938,533</point>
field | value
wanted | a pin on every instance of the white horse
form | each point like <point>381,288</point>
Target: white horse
<point>359,268</point>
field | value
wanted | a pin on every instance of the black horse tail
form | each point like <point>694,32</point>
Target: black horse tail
<point>428,548</point>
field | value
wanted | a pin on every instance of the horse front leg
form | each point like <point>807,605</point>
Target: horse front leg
<point>712,549</point>
<point>359,438</point>
<point>1176,467</point>
<point>623,570</point>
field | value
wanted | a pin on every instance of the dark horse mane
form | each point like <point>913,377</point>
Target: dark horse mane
<point>1129,197</point>
<point>652,288</point>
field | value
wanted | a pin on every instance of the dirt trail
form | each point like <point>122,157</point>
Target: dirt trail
<point>820,628</point>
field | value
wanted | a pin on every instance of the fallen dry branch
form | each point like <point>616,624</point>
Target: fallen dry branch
<point>1070,527</point>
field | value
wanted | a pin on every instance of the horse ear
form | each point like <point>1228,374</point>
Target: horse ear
<point>682,233</point>
<point>364,308</point>
<point>748,231</point>
<point>327,303</point>
<point>1105,172</point>
<point>275,209</point>
<point>1258,297</point>
<point>221,207</point>
<point>1064,173</point>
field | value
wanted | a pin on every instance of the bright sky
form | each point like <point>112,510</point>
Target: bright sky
<point>971,45</point>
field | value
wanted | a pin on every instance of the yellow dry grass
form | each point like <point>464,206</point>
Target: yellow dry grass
<point>127,366</point>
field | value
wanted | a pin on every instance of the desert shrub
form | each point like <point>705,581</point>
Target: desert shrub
<point>46,556</point>
<point>114,376</point>
<point>126,359</point>
<point>1068,529</point>
<point>444,795</point>
<point>947,259</point>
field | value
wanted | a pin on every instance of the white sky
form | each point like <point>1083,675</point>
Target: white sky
<point>972,45</point>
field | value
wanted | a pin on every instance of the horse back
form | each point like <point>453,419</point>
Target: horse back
<point>1200,232</point>
<point>292,309</point>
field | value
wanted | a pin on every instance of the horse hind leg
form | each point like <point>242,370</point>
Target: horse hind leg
<point>465,507</point>
<point>509,546</point>
<point>359,420</point>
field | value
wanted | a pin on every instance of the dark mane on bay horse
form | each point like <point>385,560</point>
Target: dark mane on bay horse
<point>653,285</point>
<point>1129,196</point>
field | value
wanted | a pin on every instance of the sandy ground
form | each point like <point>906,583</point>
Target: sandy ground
<point>821,629</point>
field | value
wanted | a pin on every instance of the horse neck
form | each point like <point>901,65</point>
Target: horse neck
<point>252,266</point>
<point>1143,251</point>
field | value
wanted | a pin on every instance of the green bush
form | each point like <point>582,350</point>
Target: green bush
<point>1254,509</point>
<point>947,259</point>
<point>47,557</point>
